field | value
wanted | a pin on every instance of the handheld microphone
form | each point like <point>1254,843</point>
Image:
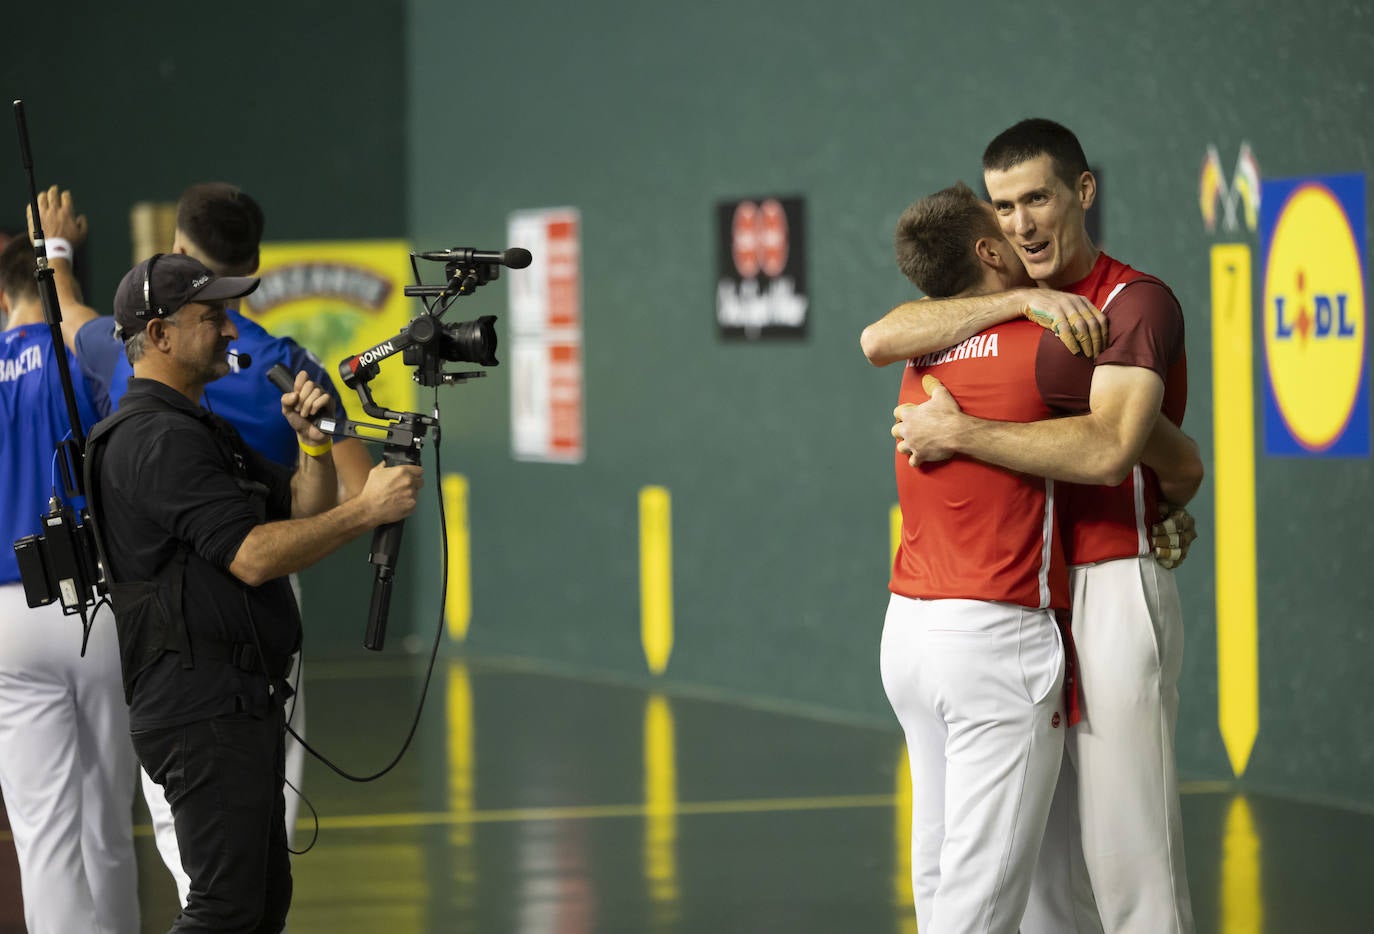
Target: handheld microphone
<point>514,258</point>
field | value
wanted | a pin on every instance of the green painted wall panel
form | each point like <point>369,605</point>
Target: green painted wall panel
<point>643,117</point>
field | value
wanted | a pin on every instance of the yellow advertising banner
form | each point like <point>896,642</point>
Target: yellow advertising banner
<point>338,298</point>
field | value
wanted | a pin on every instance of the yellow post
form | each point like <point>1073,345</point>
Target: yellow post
<point>1233,478</point>
<point>656,576</point>
<point>458,599</point>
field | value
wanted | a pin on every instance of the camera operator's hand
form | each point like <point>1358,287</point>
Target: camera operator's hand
<point>390,493</point>
<point>305,402</point>
<point>58,214</point>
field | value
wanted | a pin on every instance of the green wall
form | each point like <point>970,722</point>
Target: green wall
<point>777,455</point>
<point>435,120</point>
<point>302,104</point>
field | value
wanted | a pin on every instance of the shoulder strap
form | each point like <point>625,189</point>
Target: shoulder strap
<point>96,443</point>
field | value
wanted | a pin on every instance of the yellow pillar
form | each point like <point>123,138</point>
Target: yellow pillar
<point>1233,478</point>
<point>458,599</point>
<point>656,576</point>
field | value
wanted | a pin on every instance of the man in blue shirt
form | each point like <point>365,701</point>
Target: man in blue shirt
<point>221,226</point>
<point>67,766</point>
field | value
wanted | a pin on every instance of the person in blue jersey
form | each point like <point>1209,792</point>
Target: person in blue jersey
<point>221,226</point>
<point>67,767</point>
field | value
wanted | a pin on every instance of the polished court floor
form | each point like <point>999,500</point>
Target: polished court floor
<point>536,803</point>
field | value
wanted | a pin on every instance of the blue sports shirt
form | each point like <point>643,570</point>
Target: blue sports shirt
<point>246,398</point>
<point>34,414</point>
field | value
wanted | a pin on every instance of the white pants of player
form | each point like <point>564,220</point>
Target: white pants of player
<point>1120,779</point>
<point>977,688</point>
<point>67,769</point>
<point>164,830</point>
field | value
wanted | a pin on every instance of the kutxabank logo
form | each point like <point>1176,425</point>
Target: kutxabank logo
<point>1313,237</point>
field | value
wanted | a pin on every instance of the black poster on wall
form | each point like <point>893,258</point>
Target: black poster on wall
<point>761,268</point>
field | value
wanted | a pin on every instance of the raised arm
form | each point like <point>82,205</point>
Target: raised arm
<point>60,220</point>
<point>928,325</point>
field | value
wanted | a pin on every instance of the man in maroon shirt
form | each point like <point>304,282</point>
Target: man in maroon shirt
<point>1127,621</point>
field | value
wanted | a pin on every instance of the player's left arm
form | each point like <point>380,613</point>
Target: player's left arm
<point>1099,447</point>
<point>1175,459</point>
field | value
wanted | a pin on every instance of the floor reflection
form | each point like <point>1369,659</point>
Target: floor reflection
<point>548,805</point>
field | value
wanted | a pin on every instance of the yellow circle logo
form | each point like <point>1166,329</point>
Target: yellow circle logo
<point>1314,316</point>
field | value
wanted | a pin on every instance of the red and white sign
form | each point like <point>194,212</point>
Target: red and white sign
<point>547,385</point>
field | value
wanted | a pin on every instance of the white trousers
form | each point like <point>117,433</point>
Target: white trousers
<point>67,769</point>
<point>1120,779</point>
<point>977,688</point>
<point>164,830</point>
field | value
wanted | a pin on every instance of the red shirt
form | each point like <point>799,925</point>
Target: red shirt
<point>1145,329</point>
<point>971,530</point>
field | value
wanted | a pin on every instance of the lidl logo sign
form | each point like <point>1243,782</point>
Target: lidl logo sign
<point>1312,236</point>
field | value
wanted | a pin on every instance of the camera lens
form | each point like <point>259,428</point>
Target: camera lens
<point>471,341</point>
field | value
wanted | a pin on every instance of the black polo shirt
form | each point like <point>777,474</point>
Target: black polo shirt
<point>174,485</point>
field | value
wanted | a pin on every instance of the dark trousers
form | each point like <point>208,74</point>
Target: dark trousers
<point>223,779</point>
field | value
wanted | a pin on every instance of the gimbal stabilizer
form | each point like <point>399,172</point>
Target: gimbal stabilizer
<point>427,345</point>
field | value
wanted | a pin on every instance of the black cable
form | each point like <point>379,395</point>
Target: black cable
<point>438,635</point>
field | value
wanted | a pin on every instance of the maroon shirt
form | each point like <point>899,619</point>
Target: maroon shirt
<point>1144,329</point>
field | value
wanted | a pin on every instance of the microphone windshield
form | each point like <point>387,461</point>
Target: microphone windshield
<point>516,258</point>
<point>244,360</point>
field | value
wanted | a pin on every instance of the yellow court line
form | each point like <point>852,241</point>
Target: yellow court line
<point>605,811</point>
<point>611,811</point>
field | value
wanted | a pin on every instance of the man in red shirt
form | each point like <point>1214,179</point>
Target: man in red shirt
<point>1127,621</point>
<point>972,659</point>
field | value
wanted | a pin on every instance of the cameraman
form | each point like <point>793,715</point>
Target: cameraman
<point>67,768</point>
<point>222,226</point>
<point>200,532</point>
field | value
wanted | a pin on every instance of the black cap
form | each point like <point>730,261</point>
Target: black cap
<point>161,285</point>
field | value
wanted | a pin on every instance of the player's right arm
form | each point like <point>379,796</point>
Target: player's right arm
<point>58,215</point>
<point>927,325</point>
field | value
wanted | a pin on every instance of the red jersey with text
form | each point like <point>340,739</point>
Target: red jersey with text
<point>1144,329</point>
<point>971,530</point>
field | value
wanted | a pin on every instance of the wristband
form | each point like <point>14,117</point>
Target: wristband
<point>316,450</point>
<point>57,248</point>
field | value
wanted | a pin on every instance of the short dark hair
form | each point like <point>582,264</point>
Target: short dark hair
<point>935,239</point>
<point>17,267</point>
<point>224,222</point>
<point>1036,137</point>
